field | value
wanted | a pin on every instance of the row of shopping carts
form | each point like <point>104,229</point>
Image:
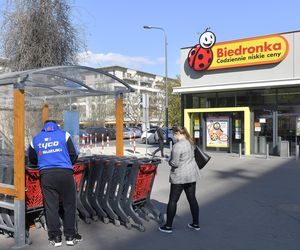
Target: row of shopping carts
<point>117,190</point>
<point>109,188</point>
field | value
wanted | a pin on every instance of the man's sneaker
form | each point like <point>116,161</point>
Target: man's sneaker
<point>165,229</point>
<point>193,226</point>
<point>72,240</point>
<point>55,241</point>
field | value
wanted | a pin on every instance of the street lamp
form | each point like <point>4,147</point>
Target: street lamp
<point>166,72</point>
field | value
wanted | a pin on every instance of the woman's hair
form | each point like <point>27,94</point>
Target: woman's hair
<point>183,131</point>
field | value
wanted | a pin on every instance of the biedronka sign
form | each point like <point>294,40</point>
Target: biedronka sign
<point>239,53</point>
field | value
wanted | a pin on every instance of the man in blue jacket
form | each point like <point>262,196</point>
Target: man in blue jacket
<point>54,152</point>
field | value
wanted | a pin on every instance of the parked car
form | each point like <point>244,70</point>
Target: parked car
<point>137,131</point>
<point>111,133</point>
<point>99,131</point>
<point>82,133</point>
<point>151,139</point>
<point>127,133</point>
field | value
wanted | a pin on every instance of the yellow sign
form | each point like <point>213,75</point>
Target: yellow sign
<point>247,52</point>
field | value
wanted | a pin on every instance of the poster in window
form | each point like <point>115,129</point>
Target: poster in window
<point>238,129</point>
<point>196,123</point>
<point>217,131</point>
<point>257,127</point>
<point>298,126</point>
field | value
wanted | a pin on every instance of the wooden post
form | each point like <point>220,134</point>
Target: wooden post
<point>45,112</point>
<point>19,169</point>
<point>19,144</point>
<point>119,125</point>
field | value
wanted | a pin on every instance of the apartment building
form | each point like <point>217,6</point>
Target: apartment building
<point>143,83</point>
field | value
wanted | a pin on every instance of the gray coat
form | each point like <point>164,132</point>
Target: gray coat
<point>184,168</point>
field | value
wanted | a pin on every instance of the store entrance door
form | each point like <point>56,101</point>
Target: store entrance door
<point>218,131</point>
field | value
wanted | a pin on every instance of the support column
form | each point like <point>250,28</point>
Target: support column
<point>119,125</point>
<point>19,167</point>
<point>45,112</point>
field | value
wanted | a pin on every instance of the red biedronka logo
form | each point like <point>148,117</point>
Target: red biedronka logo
<point>239,53</point>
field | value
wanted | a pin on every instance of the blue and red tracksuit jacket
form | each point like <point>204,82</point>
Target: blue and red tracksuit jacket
<point>52,148</point>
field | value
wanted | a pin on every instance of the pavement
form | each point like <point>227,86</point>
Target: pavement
<point>248,203</point>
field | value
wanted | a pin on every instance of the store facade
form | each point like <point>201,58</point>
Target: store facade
<point>243,92</point>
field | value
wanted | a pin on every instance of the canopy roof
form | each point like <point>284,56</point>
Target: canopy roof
<point>64,81</point>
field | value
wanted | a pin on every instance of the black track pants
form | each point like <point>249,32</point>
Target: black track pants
<point>59,185</point>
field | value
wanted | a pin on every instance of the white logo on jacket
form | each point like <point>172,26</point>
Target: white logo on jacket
<point>50,144</point>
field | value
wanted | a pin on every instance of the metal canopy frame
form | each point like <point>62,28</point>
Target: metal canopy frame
<point>46,84</point>
<point>66,81</point>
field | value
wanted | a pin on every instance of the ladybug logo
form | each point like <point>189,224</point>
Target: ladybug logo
<point>200,56</point>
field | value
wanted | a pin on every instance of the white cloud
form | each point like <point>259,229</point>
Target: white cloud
<point>100,60</point>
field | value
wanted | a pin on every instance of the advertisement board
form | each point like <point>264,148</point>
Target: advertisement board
<point>217,131</point>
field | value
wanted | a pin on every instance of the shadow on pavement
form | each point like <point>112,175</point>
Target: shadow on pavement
<point>246,203</point>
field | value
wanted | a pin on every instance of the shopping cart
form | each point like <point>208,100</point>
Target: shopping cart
<point>137,191</point>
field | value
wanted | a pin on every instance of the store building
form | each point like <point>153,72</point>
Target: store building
<point>243,92</point>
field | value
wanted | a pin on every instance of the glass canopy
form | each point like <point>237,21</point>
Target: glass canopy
<point>64,81</point>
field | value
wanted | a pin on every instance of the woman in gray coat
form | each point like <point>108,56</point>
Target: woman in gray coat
<point>183,175</point>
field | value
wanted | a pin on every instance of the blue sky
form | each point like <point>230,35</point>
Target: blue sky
<point>114,34</point>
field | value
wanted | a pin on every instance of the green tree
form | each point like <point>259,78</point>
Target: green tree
<point>174,101</point>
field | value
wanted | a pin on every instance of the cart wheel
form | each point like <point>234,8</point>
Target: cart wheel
<point>105,220</point>
<point>43,222</point>
<point>37,224</point>
<point>141,228</point>
<point>117,222</point>
<point>128,225</point>
<point>27,233</point>
<point>27,239</point>
<point>160,219</point>
<point>87,220</point>
<point>45,227</point>
<point>146,216</point>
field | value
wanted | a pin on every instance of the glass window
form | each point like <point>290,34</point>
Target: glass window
<point>288,96</point>
<point>211,100</point>
<point>226,99</point>
<point>188,101</point>
<point>196,102</point>
<point>243,98</point>
<point>263,97</point>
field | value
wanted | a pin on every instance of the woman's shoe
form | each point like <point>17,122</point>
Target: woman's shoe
<point>165,229</point>
<point>193,226</point>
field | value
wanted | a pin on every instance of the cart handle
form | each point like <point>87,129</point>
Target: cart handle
<point>144,171</point>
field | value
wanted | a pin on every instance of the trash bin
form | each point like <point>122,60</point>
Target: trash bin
<point>255,144</point>
<point>262,144</point>
<point>284,149</point>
